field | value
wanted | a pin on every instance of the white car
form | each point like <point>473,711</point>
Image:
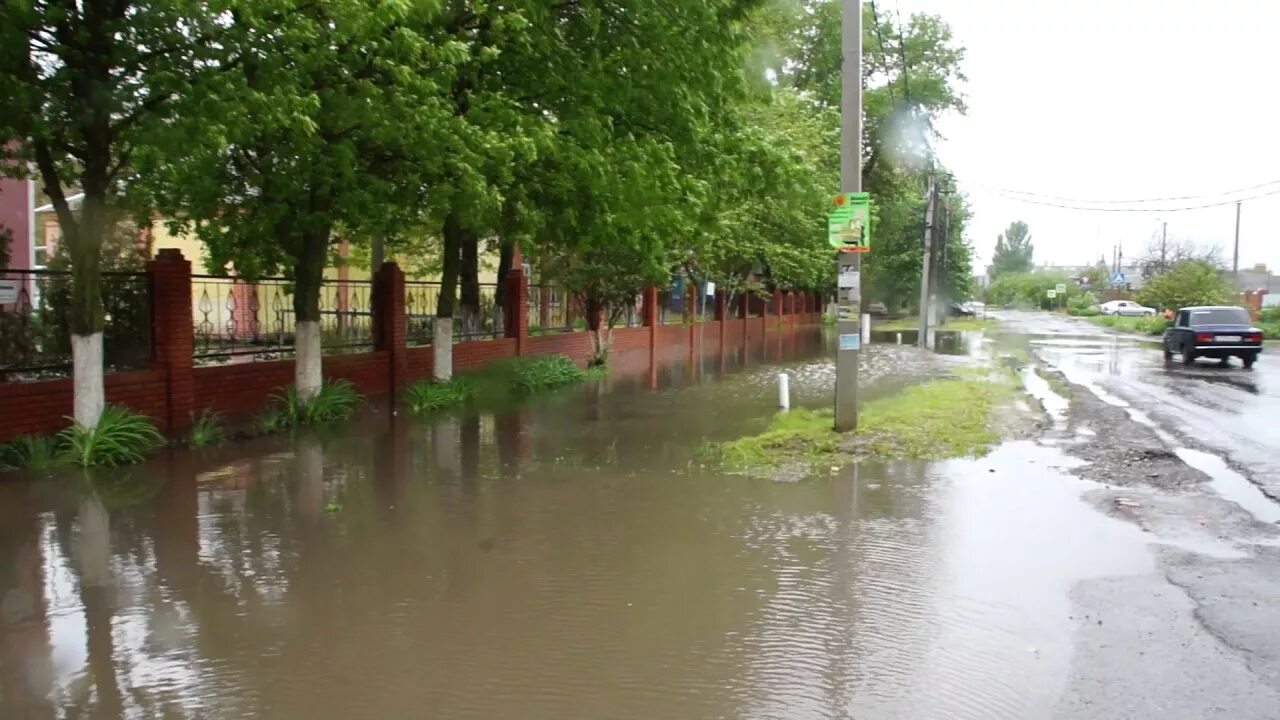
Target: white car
<point>1125,307</point>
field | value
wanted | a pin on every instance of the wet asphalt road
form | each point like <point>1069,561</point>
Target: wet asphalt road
<point>1228,411</point>
<point>1198,636</point>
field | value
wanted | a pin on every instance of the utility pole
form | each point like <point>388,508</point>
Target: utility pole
<point>1164,232</point>
<point>940,272</point>
<point>850,181</point>
<point>926,266</point>
<point>1235,262</point>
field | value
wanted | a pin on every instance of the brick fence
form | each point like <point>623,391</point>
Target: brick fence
<point>174,389</point>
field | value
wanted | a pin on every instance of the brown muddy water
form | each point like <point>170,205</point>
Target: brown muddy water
<point>566,559</point>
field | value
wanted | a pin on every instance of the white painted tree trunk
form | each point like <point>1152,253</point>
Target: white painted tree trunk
<point>86,377</point>
<point>442,344</point>
<point>310,478</point>
<point>307,373</point>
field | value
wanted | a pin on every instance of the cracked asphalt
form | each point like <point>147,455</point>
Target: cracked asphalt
<point>1191,456</point>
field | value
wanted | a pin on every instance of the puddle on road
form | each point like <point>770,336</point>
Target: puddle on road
<point>977,587</point>
<point>1231,485</point>
<point>560,560</point>
<point>1054,404</point>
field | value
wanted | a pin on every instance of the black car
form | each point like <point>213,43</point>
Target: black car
<point>1213,332</point>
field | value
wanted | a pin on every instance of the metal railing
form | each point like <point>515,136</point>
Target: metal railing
<point>35,328</point>
<point>254,319</point>
<point>552,310</point>
<point>482,321</point>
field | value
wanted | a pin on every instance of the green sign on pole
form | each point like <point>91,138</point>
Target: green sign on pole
<point>849,223</point>
<point>1061,289</point>
<point>1053,294</point>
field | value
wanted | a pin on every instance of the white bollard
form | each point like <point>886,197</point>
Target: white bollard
<point>899,338</point>
<point>784,391</point>
<point>866,328</point>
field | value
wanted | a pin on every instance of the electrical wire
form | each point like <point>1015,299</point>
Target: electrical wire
<point>1031,201</point>
<point>1175,198</point>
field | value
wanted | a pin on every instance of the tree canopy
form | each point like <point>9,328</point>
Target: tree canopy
<point>1014,251</point>
<point>1189,282</point>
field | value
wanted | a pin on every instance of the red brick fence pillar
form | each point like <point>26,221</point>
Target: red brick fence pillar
<point>389,325</point>
<point>516,313</point>
<point>173,334</point>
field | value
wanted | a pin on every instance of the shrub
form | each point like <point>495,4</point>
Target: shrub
<point>207,429</point>
<point>122,437</point>
<point>1082,305</point>
<point>427,396</point>
<point>31,452</point>
<point>1271,315</point>
<point>538,374</point>
<point>1190,282</point>
<point>1152,325</point>
<point>272,420</point>
<point>336,401</point>
<point>518,377</point>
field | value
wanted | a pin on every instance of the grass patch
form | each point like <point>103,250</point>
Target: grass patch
<point>945,418</point>
<point>1149,325</point>
<point>31,452</point>
<point>428,397</point>
<point>122,437</point>
<point>498,382</point>
<point>913,323</point>
<point>207,428</point>
<point>336,401</point>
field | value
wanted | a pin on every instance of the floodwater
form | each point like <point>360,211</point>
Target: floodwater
<point>568,559</point>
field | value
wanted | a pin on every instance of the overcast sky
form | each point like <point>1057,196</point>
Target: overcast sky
<point>1116,99</point>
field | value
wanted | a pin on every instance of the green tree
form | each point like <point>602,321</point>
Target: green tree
<point>1014,251</point>
<point>1188,282</point>
<point>328,126</point>
<point>911,75</point>
<point>86,88</point>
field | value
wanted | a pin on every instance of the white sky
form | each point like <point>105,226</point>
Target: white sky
<point>1118,99</point>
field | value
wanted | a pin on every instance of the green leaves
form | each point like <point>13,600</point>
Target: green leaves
<point>121,437</point>
<point>1187,283</point>
<point>1014,251</point>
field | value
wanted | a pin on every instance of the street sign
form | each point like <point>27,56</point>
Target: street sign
<point>1119,279</point>
<point>851,341</point>
<point>8,292</point>
<point>1062,289</point>
<point>849,223</point>
<point>1053,294</point>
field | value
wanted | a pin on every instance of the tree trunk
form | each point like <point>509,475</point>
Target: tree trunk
<point>308,273</point>
<point>469,280</point>
<point>442,341</point>
<point>86,315</point>
<point>601,333</point>
<point>506,258</point>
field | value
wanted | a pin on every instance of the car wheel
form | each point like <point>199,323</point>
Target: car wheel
<point>1188,355</point>
<point>1168,354</point>
<point>1249,359</point>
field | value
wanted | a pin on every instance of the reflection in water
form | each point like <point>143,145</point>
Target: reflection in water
<point>563,559</point>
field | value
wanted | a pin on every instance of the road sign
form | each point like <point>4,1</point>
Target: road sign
<point>1062,289</point>
<point>849,223</point>
<point>1119,279</point>
<point>1053,294</point>
<point>8,292</point>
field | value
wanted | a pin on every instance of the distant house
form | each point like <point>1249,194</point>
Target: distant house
<point>1258,277</point>
<point>17,199</point>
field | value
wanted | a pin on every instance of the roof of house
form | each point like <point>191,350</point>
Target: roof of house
<point>73,201</point>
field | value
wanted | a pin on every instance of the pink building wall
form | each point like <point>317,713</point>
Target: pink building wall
<point>15,215</point>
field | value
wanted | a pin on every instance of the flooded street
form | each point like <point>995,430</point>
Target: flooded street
<point>571,558</point>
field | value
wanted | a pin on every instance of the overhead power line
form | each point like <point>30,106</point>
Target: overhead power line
<point>1175,198</point>
<point>1064,206</point>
